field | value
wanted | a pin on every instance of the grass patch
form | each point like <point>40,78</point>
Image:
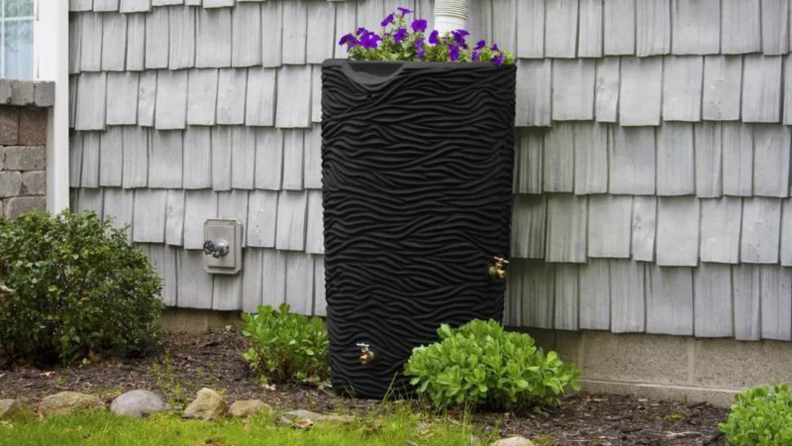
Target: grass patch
<point>104,429</point>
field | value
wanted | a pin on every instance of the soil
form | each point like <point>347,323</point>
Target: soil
<point>189,362</point>
<point>605,420</point>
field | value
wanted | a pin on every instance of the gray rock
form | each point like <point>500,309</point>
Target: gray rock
<point>208,405</point>
<point>34,182</point>
<point>138,404</point>
<point>25,158</point>
<point>248,408</point>
<point>22,92</point>
<point>513,441</point>
<point>14,207</point>
<point>5,91</point>
<point>305,418</point>
<point>67,403</point>
<point>10,410</point>
<point>10,184</point>
<point>44,94</point>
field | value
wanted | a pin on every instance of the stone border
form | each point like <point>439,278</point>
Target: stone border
<point>27,93</point>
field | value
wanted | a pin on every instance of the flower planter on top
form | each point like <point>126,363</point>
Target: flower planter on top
<point>417,164</point>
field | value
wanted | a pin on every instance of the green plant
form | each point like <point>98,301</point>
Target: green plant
<point>70,286</point>
<point>761,416</point>
<point>284,346</point>
<point>179,389</point>
<point>480,365</point>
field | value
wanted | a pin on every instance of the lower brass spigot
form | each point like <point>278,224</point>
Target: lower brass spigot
<point>366,355</point>
<point>498,269</point>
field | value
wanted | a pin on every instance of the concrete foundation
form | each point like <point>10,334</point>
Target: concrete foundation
<point>670,367</point>
<point>180,320</point>
<point>651,366</point>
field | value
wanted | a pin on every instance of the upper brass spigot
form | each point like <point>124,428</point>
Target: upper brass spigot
<point>498,269</point>
<point>366,355</point>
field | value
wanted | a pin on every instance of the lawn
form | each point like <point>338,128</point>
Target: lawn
<point>106,429</point>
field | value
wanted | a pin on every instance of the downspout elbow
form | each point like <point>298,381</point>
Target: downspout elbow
<point>450,15</point>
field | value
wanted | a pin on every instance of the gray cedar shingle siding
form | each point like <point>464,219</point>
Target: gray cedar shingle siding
<point>652,187</point>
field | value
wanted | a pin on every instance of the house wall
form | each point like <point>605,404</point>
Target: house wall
<point>24,107</point>
<point>652,189</point>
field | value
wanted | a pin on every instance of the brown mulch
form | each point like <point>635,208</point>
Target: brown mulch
<point>606,420</point>
<point>186,364</point>
<point>190,362</point>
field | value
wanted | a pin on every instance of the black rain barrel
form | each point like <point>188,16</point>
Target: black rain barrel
<point>417,164</point>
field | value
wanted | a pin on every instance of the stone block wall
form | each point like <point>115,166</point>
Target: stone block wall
<point>24,108</point>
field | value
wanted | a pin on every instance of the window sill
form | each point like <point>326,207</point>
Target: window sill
<point>27,93</point>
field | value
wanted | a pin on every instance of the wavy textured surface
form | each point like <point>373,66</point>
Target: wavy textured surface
<point>417,163</point>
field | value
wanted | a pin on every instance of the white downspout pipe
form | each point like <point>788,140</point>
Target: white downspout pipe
<point>450,15</point>
<point>51,63</point>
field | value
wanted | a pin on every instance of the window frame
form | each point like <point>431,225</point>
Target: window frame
<point>3,21</point>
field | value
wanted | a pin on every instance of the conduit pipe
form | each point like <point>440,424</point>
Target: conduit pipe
<point>450,15</point>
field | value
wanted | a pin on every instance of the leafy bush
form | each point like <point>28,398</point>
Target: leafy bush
<point>398,42</point>
<point>481,365</point>
<point>761,416</point>
<point>71,285</point>
<point>284,346</point>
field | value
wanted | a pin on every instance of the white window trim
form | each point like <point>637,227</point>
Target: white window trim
<point>51,63</point>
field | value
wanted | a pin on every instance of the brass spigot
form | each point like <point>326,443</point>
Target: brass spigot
<point>498,269</point>
<point>366,355</point>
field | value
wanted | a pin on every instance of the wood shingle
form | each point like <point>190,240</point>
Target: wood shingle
<point>157,40</point>
<point>573,90</point>
<point>742,27</point>
<point>566,228</point>
<point>197,158</point>
<point>641,91</point>
<point>561,22</point>
<point>619,27</point>
<point>695,26</point>
<point>213,38</point>
<point>712,301</point>
<point>678,231</point>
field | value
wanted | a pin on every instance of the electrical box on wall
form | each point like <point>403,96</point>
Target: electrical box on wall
<point>222,246</point>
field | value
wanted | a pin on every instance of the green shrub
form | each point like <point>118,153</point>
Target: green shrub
<point>761,416</point>
<point>480,365</point>
<point>286,346</point>
<point>71,285</point>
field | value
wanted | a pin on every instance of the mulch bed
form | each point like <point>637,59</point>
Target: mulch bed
<point>190,362</point>
<point>605,420</point>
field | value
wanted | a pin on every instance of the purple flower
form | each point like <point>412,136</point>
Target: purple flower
<point>475,56</point>
<point>347,39</point>
<point>387,20</point>
<point>433,37</point>
<point>497,59</point>
<point>419,45</point>
<point>495,47</point>
<point>481,44</point>
<point>404,11</point>
<point>459,37</point>
<point>419,25</point>
<point>453,53</point>
<point>400,35</point>
<point>360,31</point>
<point>370,41</point>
